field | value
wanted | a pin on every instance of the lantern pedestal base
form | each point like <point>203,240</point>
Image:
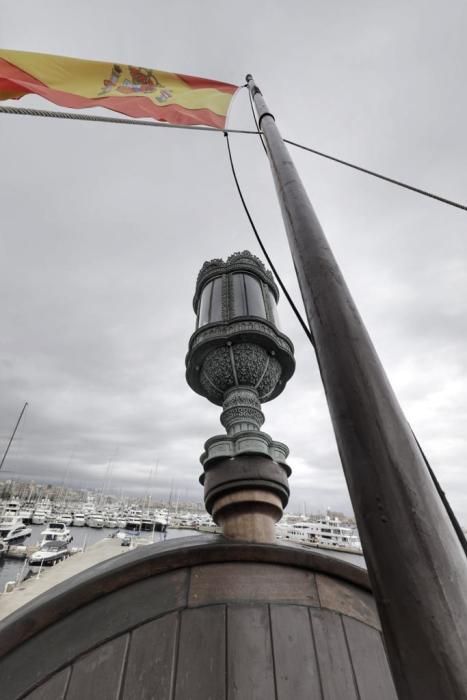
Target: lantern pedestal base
<point>248,515</point>
<point>246,495</point>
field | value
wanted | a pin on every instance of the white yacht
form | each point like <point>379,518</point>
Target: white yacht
<point>133,521</point>
<point>95,520</point>
<point>56,531</point>
<point>148,523</point>
<point>325,532</point>
<point>79,520</point>
<point>39,517</point>
<point>26,513</point>
<point>42,512</point>
<point>12,508</point>
<point>50,553</point>
<point>12,529</point>
<point>65,518</point>
<point>110,521</point>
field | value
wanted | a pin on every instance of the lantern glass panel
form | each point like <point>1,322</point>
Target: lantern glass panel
<point>273,306</point>
<point>204,304</point>
<point>239,307</point>
<point>247,296</point>
<point>254,296</point>
<point>215,314</point>
<point>210,307</point>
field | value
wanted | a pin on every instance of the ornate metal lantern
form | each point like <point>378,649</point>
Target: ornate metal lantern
<point>238,358</point>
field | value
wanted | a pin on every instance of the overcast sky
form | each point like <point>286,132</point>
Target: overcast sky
<point>104,229</point>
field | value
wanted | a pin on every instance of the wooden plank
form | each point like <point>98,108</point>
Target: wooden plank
<point>249,582</point>
<point>295,663</point>
<point>335,669</point>
<point>98,675</point>
<point>345,598</point>
<point>201,655</point>
<point>151,659</point>
<point>53,689</point>
<point>250,660</point>
<point>103,619</point>
<point>369,661</point>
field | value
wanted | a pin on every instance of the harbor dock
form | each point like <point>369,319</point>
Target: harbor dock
<point>51,576</point>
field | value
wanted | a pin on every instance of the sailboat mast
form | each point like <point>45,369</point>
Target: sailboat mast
<point>416,564</point>
<point>13,434</point>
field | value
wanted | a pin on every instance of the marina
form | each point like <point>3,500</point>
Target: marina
<point>82,536</point>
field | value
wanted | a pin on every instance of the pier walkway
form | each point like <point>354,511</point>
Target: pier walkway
<point>52,575</point>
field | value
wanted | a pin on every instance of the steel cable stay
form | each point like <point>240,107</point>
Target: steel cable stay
<point>22,111</point>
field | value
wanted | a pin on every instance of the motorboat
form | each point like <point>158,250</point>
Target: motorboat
<point>42,512</point>
<point>65,518</point>
<point>148,523</point>
<point>133,521</point>
<point>12,529</point>
<point>50,553</point>
<point>56,532</point>
<point>325,532</point>
<point>26,513</point>
<point>12,508</point>
<point>39,517</point>
<point>95,520</point>
<point>160,525</point>
<point>79,520</point>
<point>110,521</point>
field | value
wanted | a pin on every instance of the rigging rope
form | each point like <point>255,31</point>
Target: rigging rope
<point>265,252</point>
<point>454,521</point>
<point>114,120</point>
<point>22,111</point>
<point>378,175</point>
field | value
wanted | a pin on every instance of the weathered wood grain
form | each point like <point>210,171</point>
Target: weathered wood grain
<point>250,673</point>
<point>200,671</point>
<point>151,660</point>
<point>53,689</point>
<point>335,668</point>
<point>369,661</point>
<point>98,675</point>
<point>296,669</point>
<point>90,626</point>
<point>347,599</point>
<point>245,631</point>
<point>153,560</point>
<point>244,581</point>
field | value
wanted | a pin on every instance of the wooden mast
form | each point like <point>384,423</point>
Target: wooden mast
<point>13,434</point>
<point>416,564</point>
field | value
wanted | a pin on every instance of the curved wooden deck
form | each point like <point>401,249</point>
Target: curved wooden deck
<point>200,618</point>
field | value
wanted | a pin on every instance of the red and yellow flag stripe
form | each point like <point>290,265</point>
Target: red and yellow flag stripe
<point>131,90</point>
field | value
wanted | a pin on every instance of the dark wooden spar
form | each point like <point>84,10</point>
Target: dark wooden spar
<point>416,564</point>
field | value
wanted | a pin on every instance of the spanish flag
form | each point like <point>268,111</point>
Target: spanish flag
<point>131,90</point>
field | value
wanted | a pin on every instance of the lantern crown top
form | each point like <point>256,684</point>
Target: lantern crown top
<point>243,261</point>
